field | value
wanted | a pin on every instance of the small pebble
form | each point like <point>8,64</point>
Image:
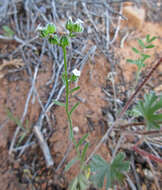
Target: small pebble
<point>148,174</point>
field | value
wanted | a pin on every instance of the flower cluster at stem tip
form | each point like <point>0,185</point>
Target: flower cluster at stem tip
<point>49,31</point>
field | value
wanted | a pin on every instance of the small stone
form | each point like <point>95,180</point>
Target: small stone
<point>135,16</point>
<point>148,174</point>
<point>112,134</point>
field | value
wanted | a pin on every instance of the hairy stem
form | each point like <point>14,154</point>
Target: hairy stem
<point>67,100</point>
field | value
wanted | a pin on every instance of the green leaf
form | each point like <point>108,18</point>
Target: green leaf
<point>79,183</point>
<point>119,165</point>
<point>71,163</point>
<point>101,170</point>
<point>149,109</point>
<point>152,39</point>
<point>140,42</point>
<point>131,61</point>
<point>74,89</point>
<point>148,38</point>
<point>144,57</point>
<point>83,183</point>
<point>112,172</point>
<point>73,185</point>
<point>58,103</point>
<point>150,46</point>
<point>8,31</point>
<point>136,50</point>
<point>14,119</point>
<point>74,107</point>
<point>84,152</point>
<point>23,135</point>
<point>82,140</point>
<point>63,78</point>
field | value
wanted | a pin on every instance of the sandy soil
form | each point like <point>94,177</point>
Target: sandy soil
<point>88,117</point>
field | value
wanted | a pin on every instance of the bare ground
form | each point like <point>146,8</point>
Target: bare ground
<point>29,171</point>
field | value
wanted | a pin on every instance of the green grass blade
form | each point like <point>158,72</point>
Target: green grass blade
<point>71,163</point>
<point>84,151</point>
<point>82,140</point>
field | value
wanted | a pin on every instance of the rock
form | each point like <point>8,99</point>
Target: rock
<point>135,16</point>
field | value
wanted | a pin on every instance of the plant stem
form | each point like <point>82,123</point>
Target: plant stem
<point>67,92</point>
<point>67,101</point>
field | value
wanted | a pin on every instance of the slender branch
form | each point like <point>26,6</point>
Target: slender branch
<point>44,146</point>
<point>146,154</point>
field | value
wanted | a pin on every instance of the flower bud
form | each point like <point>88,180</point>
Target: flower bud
<point>53,39</point>
<point>64,41</point>
<point>69,25</point>
<point>77,28</point>
<point>51,28</point>
<point>43,33</point>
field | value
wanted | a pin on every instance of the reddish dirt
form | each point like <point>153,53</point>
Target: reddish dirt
<point>87,117</point>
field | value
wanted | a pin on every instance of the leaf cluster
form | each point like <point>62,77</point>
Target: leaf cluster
<point>149,109</point>
<point>144,44</point>
<point>112,172</point>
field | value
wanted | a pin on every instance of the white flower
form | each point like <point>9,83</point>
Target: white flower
<point>76,72</point>
<point>76,129</point>
<point>70,19</point>
<point>39,27</point>
<point>79,21</point>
